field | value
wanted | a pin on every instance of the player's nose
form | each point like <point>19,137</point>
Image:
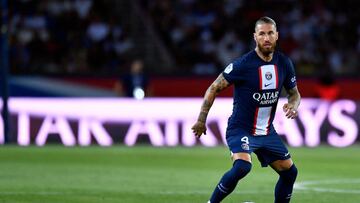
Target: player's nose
<point>267,38</point>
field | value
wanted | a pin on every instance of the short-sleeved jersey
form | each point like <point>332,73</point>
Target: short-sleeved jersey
<point>257,87</point>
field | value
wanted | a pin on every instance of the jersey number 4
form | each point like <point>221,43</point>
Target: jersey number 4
<point>245,139</point>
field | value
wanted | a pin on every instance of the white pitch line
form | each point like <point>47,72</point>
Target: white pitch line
<point>298,187</point>
<point>308,185</point>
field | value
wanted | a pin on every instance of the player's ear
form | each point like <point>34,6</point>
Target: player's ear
<point>277,35</point>
<point>254,36</point>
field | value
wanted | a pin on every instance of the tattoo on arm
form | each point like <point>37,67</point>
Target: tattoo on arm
<point>220,83</point>
<point>202,117</point>
<point>294,96</point>
<point>215,88</point>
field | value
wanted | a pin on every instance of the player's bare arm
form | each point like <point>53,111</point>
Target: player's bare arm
<point>215,88</point>
<point>291,107</point>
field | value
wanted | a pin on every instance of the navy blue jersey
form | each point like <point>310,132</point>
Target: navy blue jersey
<point>257,87</point>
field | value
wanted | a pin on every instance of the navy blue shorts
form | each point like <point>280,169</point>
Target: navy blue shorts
<point>268,148</point>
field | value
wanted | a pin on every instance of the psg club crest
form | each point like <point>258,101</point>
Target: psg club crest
<point>268,75</point>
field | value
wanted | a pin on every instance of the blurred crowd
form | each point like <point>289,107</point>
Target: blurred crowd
<point>203,36</point>
<point>65,37</point>
<point>320,36</point>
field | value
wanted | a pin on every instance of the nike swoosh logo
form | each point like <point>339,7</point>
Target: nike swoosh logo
<point>267,84</point>
<point>287,154</point>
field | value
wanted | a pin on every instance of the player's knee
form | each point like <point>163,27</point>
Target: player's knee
<point>293,172</point>
<point>290,174</point>
<point>241,168</point>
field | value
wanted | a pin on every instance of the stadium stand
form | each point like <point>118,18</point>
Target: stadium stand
<point>93,42</point>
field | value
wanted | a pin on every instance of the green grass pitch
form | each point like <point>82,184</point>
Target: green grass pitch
<point>54,174</point>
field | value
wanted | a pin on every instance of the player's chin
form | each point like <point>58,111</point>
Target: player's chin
<point>267,50</point>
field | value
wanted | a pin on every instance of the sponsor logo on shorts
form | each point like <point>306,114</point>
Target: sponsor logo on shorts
<point>245,146</point>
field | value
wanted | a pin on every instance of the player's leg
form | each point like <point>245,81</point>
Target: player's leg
<point>241,148</point>
<point>241,167</point>
<point>275,154</point>
<point>287,175</point>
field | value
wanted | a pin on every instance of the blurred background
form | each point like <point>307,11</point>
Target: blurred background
<point>94,45</point>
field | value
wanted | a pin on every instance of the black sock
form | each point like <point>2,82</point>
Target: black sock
<point>284,186</point>
<point>230,179</point>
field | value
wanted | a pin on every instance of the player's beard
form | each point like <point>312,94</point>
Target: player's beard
<point>266,51</point>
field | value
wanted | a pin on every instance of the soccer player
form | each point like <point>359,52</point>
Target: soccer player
<point>258,78</point>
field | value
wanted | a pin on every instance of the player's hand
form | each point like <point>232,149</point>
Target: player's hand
<point>290,111</point>
<point>199,128</point>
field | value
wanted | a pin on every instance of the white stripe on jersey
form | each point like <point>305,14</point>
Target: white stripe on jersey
<point>268,74</point>
<point>261,121</point>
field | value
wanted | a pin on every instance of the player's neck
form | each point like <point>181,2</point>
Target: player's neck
<point>267,58</point>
